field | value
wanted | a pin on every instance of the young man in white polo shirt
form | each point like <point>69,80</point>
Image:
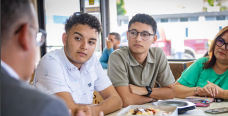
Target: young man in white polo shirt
<point>74,73</point>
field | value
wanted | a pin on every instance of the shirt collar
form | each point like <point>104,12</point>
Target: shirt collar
<point>133,62</point>
<point>9,70</point>
<point>150,57</point>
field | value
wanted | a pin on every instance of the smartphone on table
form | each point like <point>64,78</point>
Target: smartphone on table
<point>217,110</point>
<point>198,104</point>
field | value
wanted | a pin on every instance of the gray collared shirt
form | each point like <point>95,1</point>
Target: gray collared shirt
<point>123,69</point>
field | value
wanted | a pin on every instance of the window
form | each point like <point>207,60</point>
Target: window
<point>157,20</point>
<point>183,19</point>
<point>186,32</point>
<point>164,20</point>
<point>60,19</point>
<point>209,18</point>
<point>226,17</point>
<point>220,27</point>
<point>56,13</point>
<point>220,18</point>
<point>194,18</point>
<point>179,31</point>
<point>125,21</point>
<point>173,20</point>
<point>158,35</point>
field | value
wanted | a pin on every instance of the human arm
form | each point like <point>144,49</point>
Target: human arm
<point>157,93</point>
<point>223,95</point>
<point>182,91</point>
<point>103,85</point>
<point>50,78</point>
<point>81,113</point>
<point>186,84</point>
<point>111,103</point>
<point>52,107</point>
<point>215,91</point>
<point>117,72</point>
<point>164,78</point>
<point>66,96</point>
<point>129,98</point>
<point>104,57</point>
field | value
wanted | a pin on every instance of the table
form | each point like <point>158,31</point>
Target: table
<point>212,105</point>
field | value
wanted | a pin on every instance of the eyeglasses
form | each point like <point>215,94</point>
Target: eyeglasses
<point>220,42</point>
<point>144,35</point>
<point>40,37</point>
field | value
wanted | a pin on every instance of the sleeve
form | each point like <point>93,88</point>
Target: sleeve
<point>191,75</point>
<point>165,76</point>
<point>117,71</point>
<point>50,76</point>
<point>104,59</point>
<point>54,107</point>
<point>110,51</point>
<point>103,80</point>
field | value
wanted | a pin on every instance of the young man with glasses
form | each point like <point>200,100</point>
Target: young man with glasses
<point>19,41</point>
<point>74,72</point>
<point>135,69</point>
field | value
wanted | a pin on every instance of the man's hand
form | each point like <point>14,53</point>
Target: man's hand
<point>81,113</point>
<point>85,109</point>
<point>138,90</point>
<point>109,44</point>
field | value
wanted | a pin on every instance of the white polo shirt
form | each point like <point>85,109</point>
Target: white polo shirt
<point>55,73</point>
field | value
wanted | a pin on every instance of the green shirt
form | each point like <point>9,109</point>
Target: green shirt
<point>123,69</point>
<point>195,76</point>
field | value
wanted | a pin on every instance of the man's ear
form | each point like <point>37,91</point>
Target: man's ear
<point>64,38</point>
<point>155,39</point>
<point>24,37</point>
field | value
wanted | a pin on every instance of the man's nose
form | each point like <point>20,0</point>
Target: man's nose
<point>138,37</point>
<point>84,45</point>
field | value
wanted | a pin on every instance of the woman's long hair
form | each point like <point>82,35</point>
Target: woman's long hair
<point>211,62</point>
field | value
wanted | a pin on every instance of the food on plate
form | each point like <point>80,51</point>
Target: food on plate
<point>148,111</point>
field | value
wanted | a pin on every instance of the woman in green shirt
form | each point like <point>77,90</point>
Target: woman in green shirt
<point>208,76</point>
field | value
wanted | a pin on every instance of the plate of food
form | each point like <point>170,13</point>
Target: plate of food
<point>149,110</point>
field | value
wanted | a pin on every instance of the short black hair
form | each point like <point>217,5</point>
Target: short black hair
<point>11,12</point>
<point>85,19</point>
<point>144,18</point>
<point>117,35</point>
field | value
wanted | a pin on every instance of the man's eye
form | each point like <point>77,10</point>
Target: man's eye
<point>133,33</point>
<point>145,34</point>
<point>90,42</point>
<point>78,38</point>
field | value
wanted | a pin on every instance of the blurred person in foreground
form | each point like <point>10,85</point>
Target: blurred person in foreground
<point>134,69</point>
<point>208,76</point>
<point>74,72</point>
<point>113,43</point>
<point>19,28</point>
